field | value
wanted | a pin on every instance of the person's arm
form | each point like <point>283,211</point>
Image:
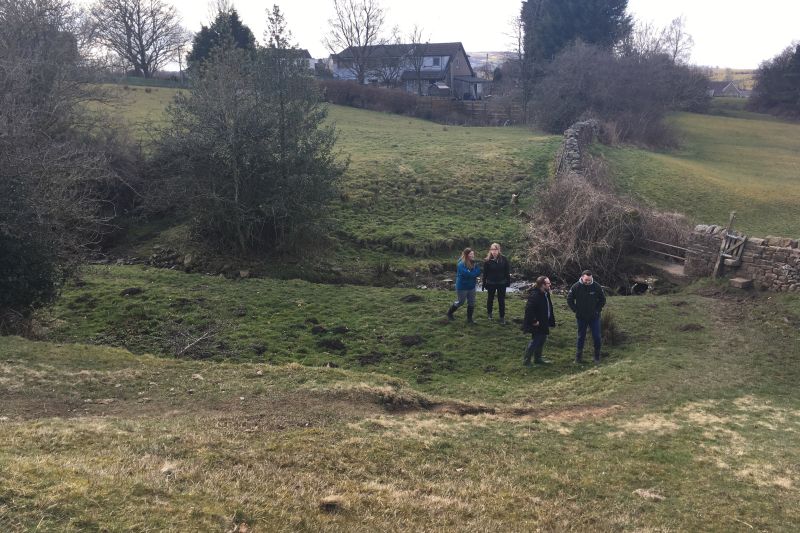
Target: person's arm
<point>571,299</point>
<point>508,272</point>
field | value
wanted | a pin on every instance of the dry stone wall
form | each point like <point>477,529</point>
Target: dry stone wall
<point>772,263</point>
<point>577,138</point>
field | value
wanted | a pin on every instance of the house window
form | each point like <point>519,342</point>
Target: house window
<point>436,61</point>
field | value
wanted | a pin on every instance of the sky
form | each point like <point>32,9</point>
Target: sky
<point>727,33</point>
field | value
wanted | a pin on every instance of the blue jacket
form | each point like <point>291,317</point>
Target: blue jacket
<point>466,278</point>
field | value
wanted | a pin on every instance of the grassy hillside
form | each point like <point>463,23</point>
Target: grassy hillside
<point>746,163</point>
<point>414,189</point>
<point>690,424</point>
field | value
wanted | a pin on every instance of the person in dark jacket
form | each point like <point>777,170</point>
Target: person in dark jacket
<point>586,299</point>
<point>466,279</point>
<point>539,318</point>
<point>496,278</point>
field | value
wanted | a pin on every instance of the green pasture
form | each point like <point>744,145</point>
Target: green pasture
<point>689,424</point>
<point>415,190</point>
<point>746,163</point>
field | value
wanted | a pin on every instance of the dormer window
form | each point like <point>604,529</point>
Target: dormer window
<point>436,61</point>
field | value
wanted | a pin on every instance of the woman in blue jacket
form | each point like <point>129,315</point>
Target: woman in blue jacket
<point>466,279</point>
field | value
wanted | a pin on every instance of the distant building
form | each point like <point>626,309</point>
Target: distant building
<point>725,88</point>
<point>445,69</point>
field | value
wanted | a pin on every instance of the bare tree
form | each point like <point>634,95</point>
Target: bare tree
<point>678,43</point>
<point>355,30</point>
<point>416,54</point>
<point>147,34</point>
<point>58,171</point>
<point>644,40</point>
<point>390,63</point>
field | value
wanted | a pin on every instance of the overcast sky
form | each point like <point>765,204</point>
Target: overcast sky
<point>727,33</point>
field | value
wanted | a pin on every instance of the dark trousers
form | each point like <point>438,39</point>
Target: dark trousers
<point>535,347</point>
<point>501,299</point>
<point>594,325</point>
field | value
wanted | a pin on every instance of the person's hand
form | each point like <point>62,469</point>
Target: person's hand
<point>535,324</point>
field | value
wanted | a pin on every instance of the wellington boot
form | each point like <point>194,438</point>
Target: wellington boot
<point>470,314</point>
<point>450,312</point>
<point>538,359</point>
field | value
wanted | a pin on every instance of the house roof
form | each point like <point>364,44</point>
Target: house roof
<point>719,87</point>
<point>303,53</point>
<point>377,51</point>
<point>399,50</point>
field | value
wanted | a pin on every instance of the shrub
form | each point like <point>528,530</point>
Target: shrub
<point>633,93</point>
<point>249,151</point>
<point>777,85</point>
<point>609,329</point>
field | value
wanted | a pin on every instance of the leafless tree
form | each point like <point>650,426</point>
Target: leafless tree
<point>59,177</point>
<point>391,62</point>
<point>145,33</point>
<point>647,40</point>
<point>356,29</point>
<point>644,40</point>
<point>416,54</point>
<point>678,44</point>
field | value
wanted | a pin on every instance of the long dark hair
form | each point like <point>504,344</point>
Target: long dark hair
<point>539,282</point>
<point>469,263</point>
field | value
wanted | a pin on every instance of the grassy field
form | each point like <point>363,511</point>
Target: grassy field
<point>742,162</point>
<point>415,191</point>
<point>689,425</point>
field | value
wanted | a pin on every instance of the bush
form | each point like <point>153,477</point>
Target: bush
<point>249,152</point>
<point>609,330</point>
<point>632,93</point>
<point>29,275</point>
<point>777,85</point>
<point>59,183</point>
<point>352,94</point>
<point>581,223</point>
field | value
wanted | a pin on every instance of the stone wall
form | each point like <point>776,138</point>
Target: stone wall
<point>773,263</point>
<point>577,138</point>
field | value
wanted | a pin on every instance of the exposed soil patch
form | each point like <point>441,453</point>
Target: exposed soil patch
<point>131,291</point>
<point>332,344</point>
<point>411,298</point>
<point>372,358</point>
<point>411,340</point>
<point>691,327</point>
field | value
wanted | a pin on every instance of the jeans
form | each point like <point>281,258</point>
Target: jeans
<point>501,299</point>
<point>594,324</point>
<point>466,295</point>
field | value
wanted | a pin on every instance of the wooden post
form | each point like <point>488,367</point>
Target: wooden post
<point>720,259</point>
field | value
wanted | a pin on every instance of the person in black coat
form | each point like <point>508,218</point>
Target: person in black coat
<point>587,299</point>
<point>539,318</point>
<point>496,278</point>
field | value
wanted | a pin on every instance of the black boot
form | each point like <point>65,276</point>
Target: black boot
<point>451,311</point>
<point>528,353</point>
<point>579,356</point>
<point>596,355</point>
<point>537,357</point>
<point>502,320</point>
<point>470,312</point>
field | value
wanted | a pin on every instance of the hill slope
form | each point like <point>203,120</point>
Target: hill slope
<point>747,163</point>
